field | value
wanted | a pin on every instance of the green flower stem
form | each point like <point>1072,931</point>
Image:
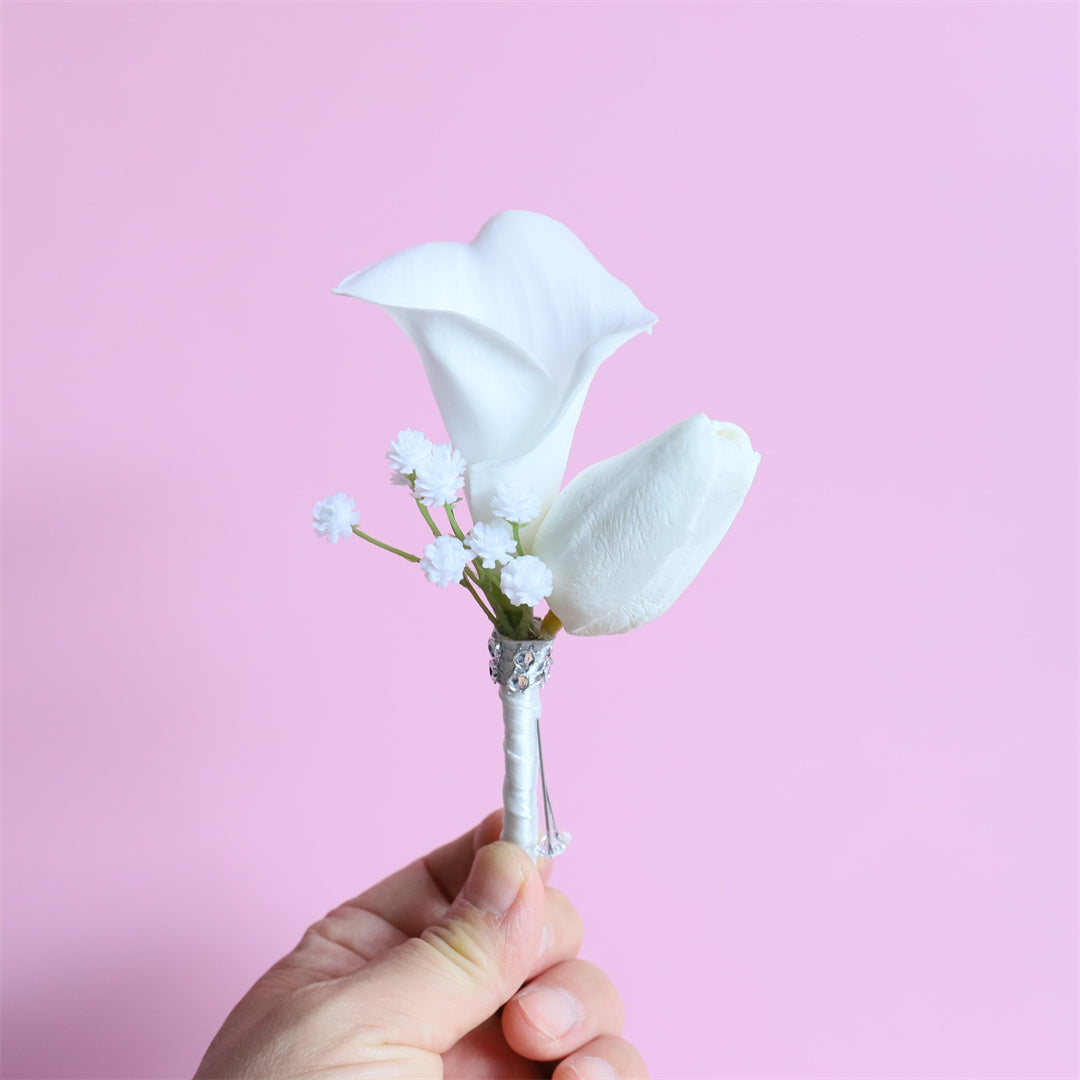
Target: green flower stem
<point>517,536</point>
<point>524,624</point>
<point>488,580</point>
<point>453,521</point>
<point>429,519</point>
<point>385,547</point>
<point>476,596</point>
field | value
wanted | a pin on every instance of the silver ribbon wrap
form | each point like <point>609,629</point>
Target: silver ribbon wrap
<point>520,669</point>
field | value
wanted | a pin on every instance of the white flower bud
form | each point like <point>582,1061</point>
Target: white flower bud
<point>409,451</point>
<point>627,535</point>
<point>335,516</point>
<point>444,561</point>
<point>492,542</point>
<point>439,478</point>
<point>525,580</point>
<point>516,503</point>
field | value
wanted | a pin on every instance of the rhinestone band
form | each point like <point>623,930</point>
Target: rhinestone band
<point>518,665</point>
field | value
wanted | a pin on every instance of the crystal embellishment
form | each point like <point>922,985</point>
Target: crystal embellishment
<point>518,665</point>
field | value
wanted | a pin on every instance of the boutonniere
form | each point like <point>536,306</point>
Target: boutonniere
<point>511,329</point>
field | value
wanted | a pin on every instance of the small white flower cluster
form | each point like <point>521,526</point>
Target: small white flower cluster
<point>492,542</point>
<point>435,473</point>
<point>515,503</point>
<point>526,580</point>
<point>408,451</point>
<point>335,516</point>
<point>440,478</point>
<point>444,561</point>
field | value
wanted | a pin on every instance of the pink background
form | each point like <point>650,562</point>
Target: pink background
<point>825,809</point>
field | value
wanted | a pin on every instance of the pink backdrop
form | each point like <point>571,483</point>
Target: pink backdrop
<point>824,809</point>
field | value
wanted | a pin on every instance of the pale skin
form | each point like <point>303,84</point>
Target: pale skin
<point>462,965</point>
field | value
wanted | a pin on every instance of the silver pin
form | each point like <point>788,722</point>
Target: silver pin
<point>553,842</point>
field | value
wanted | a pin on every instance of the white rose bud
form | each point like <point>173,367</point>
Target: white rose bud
<point>627,535</point>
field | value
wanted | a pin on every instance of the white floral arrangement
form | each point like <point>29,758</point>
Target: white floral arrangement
<point>511,328</point>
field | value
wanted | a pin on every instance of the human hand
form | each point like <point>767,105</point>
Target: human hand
<point>422,976</point>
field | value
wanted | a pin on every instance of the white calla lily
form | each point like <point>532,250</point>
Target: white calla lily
<point>511,328</point>
<point>628,534</point>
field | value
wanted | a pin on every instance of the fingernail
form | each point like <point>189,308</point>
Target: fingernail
<point>495,879</point>
<point>552,1010</point>
<point>593,1068</point>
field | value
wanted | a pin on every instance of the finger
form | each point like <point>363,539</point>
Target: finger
<point>397,908</point>
<point>562,1010</point>
<point>486,1044</point>
<point>451,863</point>
<point>606,1058</point>
<point>419,895</point>
<point>431,990</point>
<point>563,932</point>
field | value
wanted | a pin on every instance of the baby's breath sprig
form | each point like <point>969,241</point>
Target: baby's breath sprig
<point>334,516</point>
<point>488,561</point>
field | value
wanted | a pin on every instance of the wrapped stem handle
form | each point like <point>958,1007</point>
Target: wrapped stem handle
<point>520,669</point>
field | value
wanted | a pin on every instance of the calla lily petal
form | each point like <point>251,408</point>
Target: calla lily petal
<point>511,328</point>
<point>627,535</point>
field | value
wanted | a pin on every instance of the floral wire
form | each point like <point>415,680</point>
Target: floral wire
<point>551,829</point>
<point>385,547</point>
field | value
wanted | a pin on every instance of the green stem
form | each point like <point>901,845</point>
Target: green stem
<point>524,624</point>
<point>488,580</point>
<point>429,519</point>
<point>476,596</point>
<point>453,521</point>
<point>385,547</point>
<point>517,536</point>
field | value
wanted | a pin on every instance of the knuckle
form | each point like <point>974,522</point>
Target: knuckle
<point>328,928</point>
<point>461,947</point>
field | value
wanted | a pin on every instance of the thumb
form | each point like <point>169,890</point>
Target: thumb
<point>432,990</point>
